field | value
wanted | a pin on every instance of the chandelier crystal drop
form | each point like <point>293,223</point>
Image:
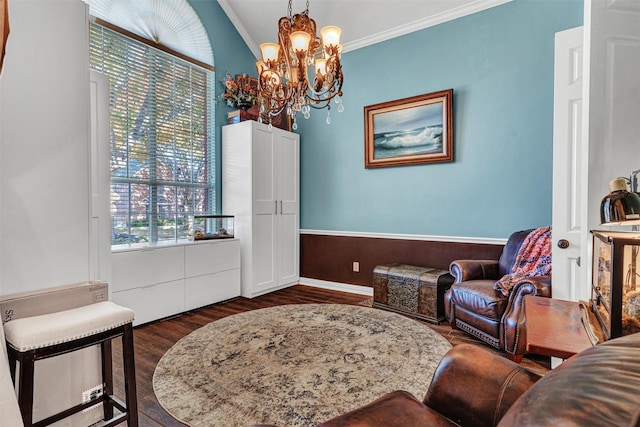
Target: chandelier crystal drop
<point>284,81</point>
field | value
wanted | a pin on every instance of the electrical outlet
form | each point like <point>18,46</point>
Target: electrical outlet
<point>93,393</point>
<point>98,297</point>
<point>356,266</point>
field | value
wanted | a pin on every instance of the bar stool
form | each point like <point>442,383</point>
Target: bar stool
<point>39,337</point>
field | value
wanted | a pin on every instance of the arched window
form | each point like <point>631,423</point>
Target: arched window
<point>159,63</point>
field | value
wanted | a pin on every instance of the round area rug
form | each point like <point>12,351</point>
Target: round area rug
<point>294,365</point>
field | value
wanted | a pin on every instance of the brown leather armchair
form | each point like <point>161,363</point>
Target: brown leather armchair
<point>475,387</point>
<point>472,304</point>
<point>472,386</point>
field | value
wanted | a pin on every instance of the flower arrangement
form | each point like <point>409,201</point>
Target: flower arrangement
<point>239,93</point>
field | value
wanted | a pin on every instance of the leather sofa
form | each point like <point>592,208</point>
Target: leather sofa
<point>474,386</point>
<point>472,304</point>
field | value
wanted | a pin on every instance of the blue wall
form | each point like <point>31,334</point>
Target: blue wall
<point>230,54</point>
<point>500,65</point>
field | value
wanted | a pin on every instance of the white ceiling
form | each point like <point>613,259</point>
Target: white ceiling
<point>363,22</point>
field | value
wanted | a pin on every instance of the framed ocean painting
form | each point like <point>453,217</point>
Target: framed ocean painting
<point>409,131</point>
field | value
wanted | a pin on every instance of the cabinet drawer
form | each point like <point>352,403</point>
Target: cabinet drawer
<point>138,268</point>
<point>211,257</point>
<point>211,288</point>
<point>152,302</point>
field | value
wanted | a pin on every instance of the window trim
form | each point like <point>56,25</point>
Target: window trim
<point>153,44</point>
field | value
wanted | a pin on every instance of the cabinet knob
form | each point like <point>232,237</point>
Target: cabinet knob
<point>563,243</point>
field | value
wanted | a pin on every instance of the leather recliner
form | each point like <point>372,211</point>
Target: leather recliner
<point>472,304</point>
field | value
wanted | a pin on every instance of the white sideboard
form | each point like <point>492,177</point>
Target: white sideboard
<point>160,281</point>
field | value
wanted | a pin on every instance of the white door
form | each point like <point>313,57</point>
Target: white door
<point>610,129</point>
<point>569,167</point>
<point>264,210</point>
<point>612,97</point>
<point>288,237</point>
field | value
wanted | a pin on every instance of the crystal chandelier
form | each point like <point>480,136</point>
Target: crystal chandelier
<point>284,83</point>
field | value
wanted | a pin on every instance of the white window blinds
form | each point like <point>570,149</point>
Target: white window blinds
<point>162,155</point>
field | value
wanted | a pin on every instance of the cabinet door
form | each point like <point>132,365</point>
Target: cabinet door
<point>152,302</point>
<point>211,288</point>
<point>264,210</point>
<point>288,218</point>
<point>211,257</point>
<point>148,266</point>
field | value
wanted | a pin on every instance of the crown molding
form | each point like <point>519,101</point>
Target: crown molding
<point>420,24</point>
<point>237,23</point>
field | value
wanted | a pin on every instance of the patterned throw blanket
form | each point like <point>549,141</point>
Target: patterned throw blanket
<point>533,259</point>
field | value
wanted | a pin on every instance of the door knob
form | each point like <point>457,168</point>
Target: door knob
<point>563,243</point>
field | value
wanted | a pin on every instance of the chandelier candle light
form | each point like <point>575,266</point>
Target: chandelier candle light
<point>284,83</point>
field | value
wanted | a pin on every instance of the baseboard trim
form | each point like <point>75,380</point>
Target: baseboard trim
<point>422,237</point>
<point>266,291</point>
<point>342,287</point>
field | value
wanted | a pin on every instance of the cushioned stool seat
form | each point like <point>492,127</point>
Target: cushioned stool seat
<point>40,337</point>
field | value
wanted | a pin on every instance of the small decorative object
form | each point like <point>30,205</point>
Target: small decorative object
<point>281,121</point>
<point>240,92</point>
<point>205,227</point>
<point>409,131</point>
<point>621,206</point>
<point>237,116</point>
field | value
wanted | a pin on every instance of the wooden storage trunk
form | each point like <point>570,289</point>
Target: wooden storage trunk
<point>411,290</point>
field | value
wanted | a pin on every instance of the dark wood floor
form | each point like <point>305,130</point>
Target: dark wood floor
<point>153,340</point>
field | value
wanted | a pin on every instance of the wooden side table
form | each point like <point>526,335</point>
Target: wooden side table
<point>554,327</point>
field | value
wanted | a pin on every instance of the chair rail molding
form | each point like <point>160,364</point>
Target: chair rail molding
<point>421,237</point>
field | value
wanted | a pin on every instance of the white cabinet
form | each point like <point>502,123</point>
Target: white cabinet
<point>212,287</point>
<point>152,302</point>
<point>159,281</point>
<point>260,187</point>
<point>147,266</point>
<point>212,272</point>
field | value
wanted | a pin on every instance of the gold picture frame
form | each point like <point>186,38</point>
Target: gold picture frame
<point>409,131</point>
